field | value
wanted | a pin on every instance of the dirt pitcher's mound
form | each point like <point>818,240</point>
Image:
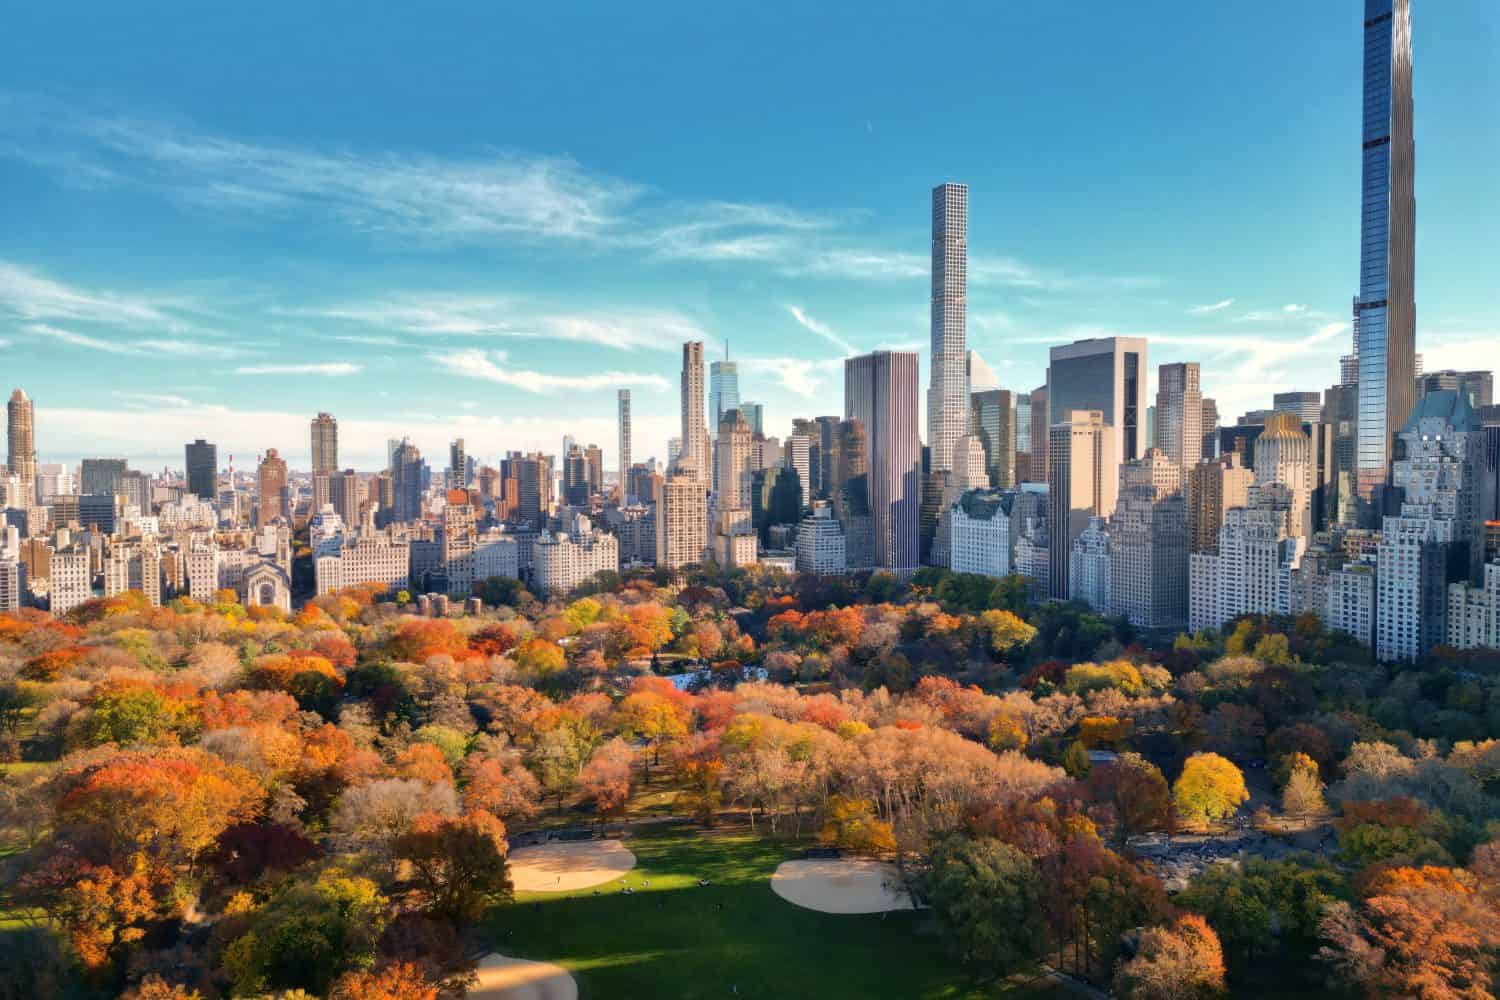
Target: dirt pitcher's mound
<point>840,885</point>
<point>502,978</point>
<point>566,866</point>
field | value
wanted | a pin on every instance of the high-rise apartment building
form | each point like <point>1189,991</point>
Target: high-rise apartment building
<point>1107,374</point>
<point>325,444</point>
<point>992,418</point>
<point>1213,487</point>
<point>627,496</point>
<point>20,436</point>
<point>681,522</point>
<point>1148,548</point>
<point>270,488</point>
<point>1284,454</point>
<point>695,445</point>
<point>1386,307</point>
<point>593,461</point>
<point>880,392</point>
<point>948,390</point>
<point>202,463</point>
<point>734,454</point>
<point>798,451</point>
<point>346,496</point>
<point>755,414</point>
<point>1437,539</point>
<point>1084,482</point>
<point>1179,413</point>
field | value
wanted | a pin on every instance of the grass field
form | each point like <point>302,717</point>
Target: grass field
<point>675,939</point>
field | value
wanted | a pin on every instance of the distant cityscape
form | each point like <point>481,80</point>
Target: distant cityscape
<point>1372,503</point>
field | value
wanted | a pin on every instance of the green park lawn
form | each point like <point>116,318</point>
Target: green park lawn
<point>670,939</point>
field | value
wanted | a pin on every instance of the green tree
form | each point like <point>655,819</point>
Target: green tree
<point>307,934</point>
<point>984,893</point>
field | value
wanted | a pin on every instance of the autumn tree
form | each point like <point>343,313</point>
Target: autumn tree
<point>1007,631</point>
<point>396,981</point>
<point>1418,936</point>
<point>1302,795</point>
<point>853,826</point>
<point>1178,961</point>
<point>1209,789</point>
<point>606,778</point>
<point>459,862</point>
<point>1137,792</point>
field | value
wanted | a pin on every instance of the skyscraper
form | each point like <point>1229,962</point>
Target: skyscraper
<point>1084,481</point>
<point>993,421</point>
<point>1148,548</point>
<point>1307,407</point>
<point>270,488</point>
<point>406,483</point>
<point>21,442</point>
<point>1040,443</point>
<point>880,391</point>
<point>325,444</point>
<point>724,390</point>
<point>1386,307</point>
<point>202,464</point>
<point>694,454</point>
<point>948,390</point>
<point>458,465</point>
<point>1179,413</point>
<point>623,397</point>
<point>1107,374</point>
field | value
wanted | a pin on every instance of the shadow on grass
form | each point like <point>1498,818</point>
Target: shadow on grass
<point>674,938</point>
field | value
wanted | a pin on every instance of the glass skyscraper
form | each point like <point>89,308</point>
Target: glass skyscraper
<point>1385,311</point>
<point>723,391</point>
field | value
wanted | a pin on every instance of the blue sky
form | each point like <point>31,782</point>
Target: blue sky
<point>482,219</point>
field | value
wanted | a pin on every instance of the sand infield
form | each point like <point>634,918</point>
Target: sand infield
<point>502,978</point>
<point>840,885</point>
<point>570,865</point>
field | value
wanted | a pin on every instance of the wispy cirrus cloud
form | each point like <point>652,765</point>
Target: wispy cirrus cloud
<point>821,329</point>
<point>432,314</point>
<point>488,196</point>
<point>492,366</point>
<point>498,193</point>
<point>1211,308</point>
<point>28,294</point>
<point>152,399</point>
<point>138,347</point>
<point>329,368</point>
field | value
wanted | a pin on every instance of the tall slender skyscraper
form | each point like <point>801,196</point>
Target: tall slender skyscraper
<point>1179,413</point>
<point>325,444</point>
<point>948,390</point>
<point>1386,308</point>
<point>694,432</point>
<point>624,452</point>
<point>880,391</point>
<point>21,442</point>
<point>723,390</point>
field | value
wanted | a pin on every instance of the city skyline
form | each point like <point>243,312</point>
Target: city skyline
<point>470,335</point>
